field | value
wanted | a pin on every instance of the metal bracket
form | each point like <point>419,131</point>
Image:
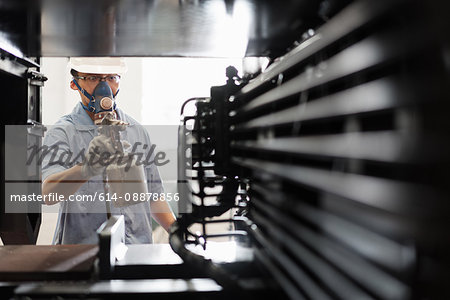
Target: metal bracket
<point>111,235</point>
<point>35,128</point>
<point>36,78</point>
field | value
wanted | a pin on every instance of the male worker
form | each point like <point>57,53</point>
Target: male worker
<point>76,136</point>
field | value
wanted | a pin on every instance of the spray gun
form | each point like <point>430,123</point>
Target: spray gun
<point>111,128</point>
<point>124,177</point>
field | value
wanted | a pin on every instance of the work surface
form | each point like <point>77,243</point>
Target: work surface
<point>62,262</point>
<point>29,262</point>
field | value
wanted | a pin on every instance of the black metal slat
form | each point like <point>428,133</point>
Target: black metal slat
<point>381,94</point>
<point>356,268</point>
<point>391,225</point>
<point>389,254</point>
<point>328,276</point>
<point>368,53</point>
<point>288,286</point>
<point>297,277</point>
<point>389,195</point>
<point>385,146</point>
<point>353,18</point>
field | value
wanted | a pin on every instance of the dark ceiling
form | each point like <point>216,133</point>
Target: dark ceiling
<point>208,28</point>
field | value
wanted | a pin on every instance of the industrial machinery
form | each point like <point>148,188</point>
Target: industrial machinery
<point>330,167</point>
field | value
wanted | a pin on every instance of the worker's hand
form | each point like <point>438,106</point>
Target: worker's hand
<point>96,156</point>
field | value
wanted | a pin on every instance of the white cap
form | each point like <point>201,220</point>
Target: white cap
<point>98,65</point>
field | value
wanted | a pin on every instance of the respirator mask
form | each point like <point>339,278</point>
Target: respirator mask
<point>101,101</point>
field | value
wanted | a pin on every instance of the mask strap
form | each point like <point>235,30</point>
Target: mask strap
<point>90,107</point>
<point>114,98</point>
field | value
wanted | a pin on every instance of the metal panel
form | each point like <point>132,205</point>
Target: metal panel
<point>20,82</point>
<point>159,28</point>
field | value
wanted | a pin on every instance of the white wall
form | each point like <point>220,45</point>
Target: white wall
<point>57,98</point>
<point>168,82</point>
